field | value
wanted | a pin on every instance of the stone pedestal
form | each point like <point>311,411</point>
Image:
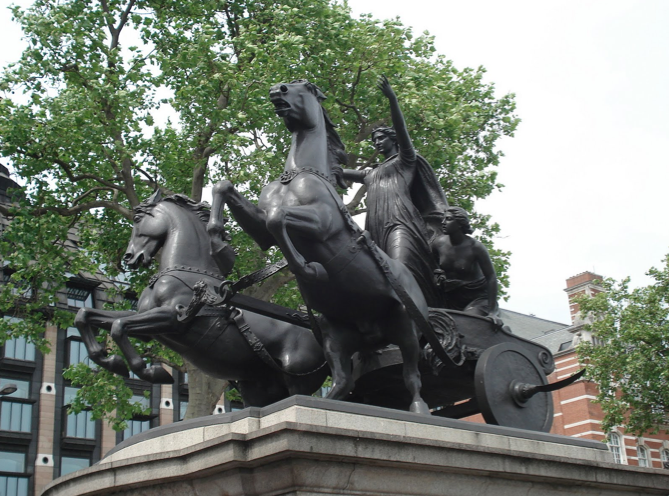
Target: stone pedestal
<point>306,446</point>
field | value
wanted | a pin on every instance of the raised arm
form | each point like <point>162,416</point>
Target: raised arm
<point>407,152</point>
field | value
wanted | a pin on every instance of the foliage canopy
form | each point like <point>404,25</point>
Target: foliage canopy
<point>115,97</point>
<point>629,358</point>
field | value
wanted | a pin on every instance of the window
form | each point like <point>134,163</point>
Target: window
<point>13,463</point>
<point>19,288</point>
<point>79,425</point>
<point>16,412</point>
<point>642,456</point>
<point>76,349</point>
<point>19,348</point>
<point>183,406</point>
<point>180,396</point>
<point>616,447</point>
<point>139,423</point>
<point>79,297</point>
<point>69,464</point>
<point>22,388</point>
<point>136,427</point>
<point>664,455</point>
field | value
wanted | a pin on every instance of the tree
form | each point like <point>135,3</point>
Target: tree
<point>629,356</point>
<point>79,123</point>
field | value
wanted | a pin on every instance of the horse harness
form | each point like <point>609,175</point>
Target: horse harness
<point>182,268</point>
<point>287,176</point>
<point>205,304</point>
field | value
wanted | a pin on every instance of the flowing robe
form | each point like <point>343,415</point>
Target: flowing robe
<point>396,224</point>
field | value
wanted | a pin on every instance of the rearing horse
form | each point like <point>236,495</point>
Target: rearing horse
<point>338,276</point>
<point>214,340</point>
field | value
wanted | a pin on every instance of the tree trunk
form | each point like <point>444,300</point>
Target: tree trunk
<point>204,391</point>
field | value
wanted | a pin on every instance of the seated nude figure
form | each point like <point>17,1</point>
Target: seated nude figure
<point>466,274</point>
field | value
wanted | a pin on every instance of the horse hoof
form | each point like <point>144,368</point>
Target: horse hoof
<point>315,272</point>
<point>155,374</point>
<point>115,364</point>
<point>420,407</point>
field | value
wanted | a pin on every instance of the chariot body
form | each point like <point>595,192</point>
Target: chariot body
<point>491,371</point>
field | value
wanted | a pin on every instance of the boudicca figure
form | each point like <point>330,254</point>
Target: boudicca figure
<point>466,274</point>
<point>404,199</point>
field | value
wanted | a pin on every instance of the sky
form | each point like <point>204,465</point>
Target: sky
<point>587,172</point>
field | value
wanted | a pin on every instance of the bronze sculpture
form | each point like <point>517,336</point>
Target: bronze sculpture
<point>302,213</point>
<point>405,202</point>
<point>466,274</point>
<point>223,341</point>
<point>367,300</point>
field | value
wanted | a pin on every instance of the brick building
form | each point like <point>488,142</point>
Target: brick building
<point>39,440</point>
<point>575,413</point>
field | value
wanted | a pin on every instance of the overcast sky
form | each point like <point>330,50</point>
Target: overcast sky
<point>587,173</point>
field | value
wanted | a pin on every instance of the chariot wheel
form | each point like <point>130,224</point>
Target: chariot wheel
<point>508,382</point>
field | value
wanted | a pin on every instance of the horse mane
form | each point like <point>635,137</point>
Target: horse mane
<point>200,209</point>
<point>337,155</point>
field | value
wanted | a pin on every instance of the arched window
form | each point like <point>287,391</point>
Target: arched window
<point>616,447</point>
<point>664,455</point>
<point>642,456</point>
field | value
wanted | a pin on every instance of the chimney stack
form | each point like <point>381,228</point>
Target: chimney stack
<point>580,285</point>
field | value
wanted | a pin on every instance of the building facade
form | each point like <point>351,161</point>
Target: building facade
<point>575,413</point>
<point>39,439</point>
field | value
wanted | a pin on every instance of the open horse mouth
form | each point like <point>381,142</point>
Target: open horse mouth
<point>137,261</point>
<point>281,106</point>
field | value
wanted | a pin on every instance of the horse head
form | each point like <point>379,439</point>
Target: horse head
<point>298,103</point>
<point>178,225</point>
<point>149,232</point>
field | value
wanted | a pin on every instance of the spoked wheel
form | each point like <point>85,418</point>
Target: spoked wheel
<point>510,388</point>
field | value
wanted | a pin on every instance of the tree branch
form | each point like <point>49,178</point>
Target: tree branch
<point>69,211</point>
<point>353,108</point>
<point>92,190</point>
<point>124,17</point>
<point>67,168</point>
<point>357,199</point>
<point>105,9</point>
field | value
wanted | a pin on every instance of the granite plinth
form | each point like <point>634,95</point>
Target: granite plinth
<point>306,446</point>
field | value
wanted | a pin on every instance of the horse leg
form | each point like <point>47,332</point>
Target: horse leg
<point>339,344</point>
<point>250,217</point>
<point>88,318</point>
<point>410,349</point>
<point>308,220</point>
<point>159,320</point>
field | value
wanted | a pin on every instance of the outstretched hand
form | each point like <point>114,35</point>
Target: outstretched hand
<point>385,87</point>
